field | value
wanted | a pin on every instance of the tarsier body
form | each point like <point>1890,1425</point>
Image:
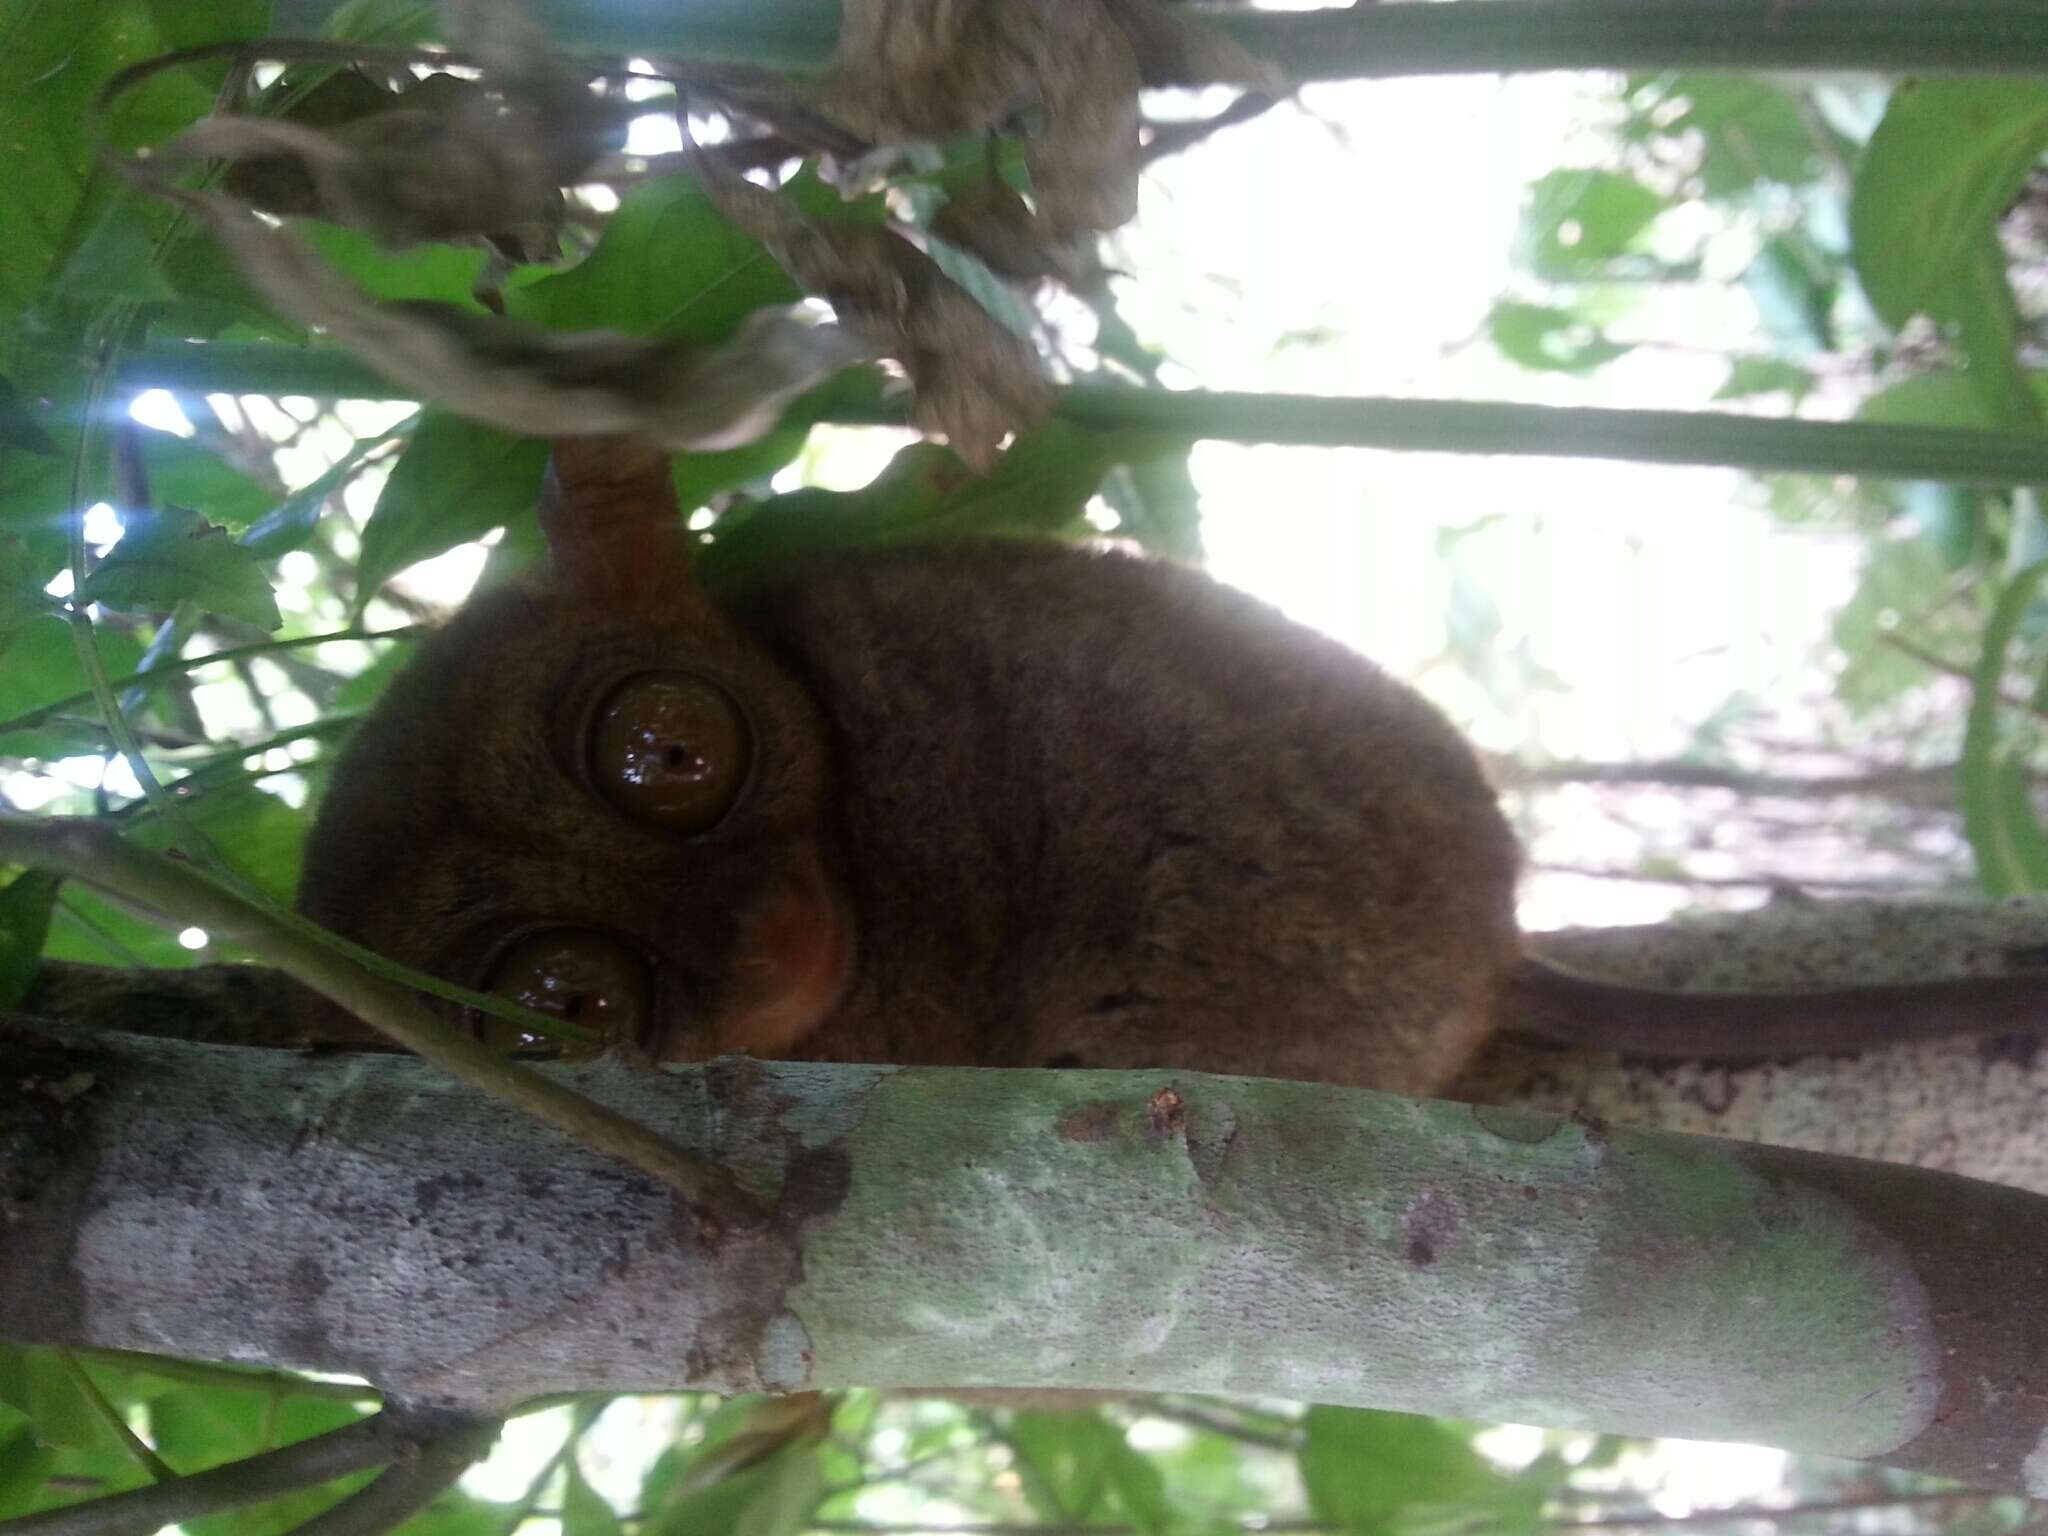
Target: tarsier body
<point>1001,805</point>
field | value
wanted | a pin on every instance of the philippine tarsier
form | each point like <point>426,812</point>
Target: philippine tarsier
<point>995,804</point>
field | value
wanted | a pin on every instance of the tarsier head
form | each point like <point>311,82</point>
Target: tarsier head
<point>595,798</point>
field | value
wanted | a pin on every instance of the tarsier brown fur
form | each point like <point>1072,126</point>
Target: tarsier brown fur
<point>996,805</point>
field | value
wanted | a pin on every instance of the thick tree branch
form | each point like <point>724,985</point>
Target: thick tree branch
<point>1148,1231</point>
<point>97,854</point>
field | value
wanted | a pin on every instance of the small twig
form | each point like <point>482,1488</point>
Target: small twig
<point>1932,786</point>
<point>356,1447</point>
<point>1215,1422</point>
<point>586,1415</point>
<point>1733,882</point>
<point>56,707</point>
<point>84,850</point>
<point>1171,138</point>
<point>403,1489</point>
<point>1942,664</point>
<point>139,1451</point>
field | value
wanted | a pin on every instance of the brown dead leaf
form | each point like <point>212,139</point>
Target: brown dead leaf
<point>539,382</point>
<point>937,68</point>
<point>976,382</point>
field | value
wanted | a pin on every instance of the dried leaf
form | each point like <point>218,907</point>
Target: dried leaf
<point>976,382</point>
<point>1176,50</point>
<point>938,68</point>
<point>543,383</point>
<point>990,218</point>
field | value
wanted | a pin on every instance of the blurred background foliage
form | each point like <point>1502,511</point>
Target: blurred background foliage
<point>255,565</point>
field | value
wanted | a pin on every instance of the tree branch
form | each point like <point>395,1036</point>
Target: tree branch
<point>357,1447</point>
<point>412,1482</point>
<point>1962,457</point>
<point>96,854</point>
<point>950,1226</point>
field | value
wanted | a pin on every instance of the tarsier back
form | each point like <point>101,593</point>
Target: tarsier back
<point>997,804</point>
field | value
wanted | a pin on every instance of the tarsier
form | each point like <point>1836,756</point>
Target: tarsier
<point>993,804</point>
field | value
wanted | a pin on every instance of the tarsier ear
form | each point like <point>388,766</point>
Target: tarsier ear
<point>608,511</point>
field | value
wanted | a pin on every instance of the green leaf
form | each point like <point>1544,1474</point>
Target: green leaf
<point>1000,298</point>
<point>1980,302</point>
<point>19,429</point>
<point>1752,376</point>
<point>1160,507</point>
<point>700,476</point>
<point>34,1380</point>
<point>1750,130</point>
<point>1948,517</point>
<point>1547,339</point>
<point>455,482</point>
<point>1939,400</point>
<point>184,473</point>
<point>1943,165</point>
<point>174,556</point>
<point>39,665</point>
<point>25,1470</point>
<point>584,1511</point>
<point>116,262</point>
<point>669,264</point>
<point>185,25</point>
<point>1363,1468</point>
<point>1998,813</point>
<point>1900,577</point>
<point>1574,223</point>
<point>1039,489</point>
<point>1793,284</point>
<point>87,929</point>
<point>196,1427</point>
<point>444,273</point>
<point>775,1497</point>
<point>25,904</point>
<point>21,594</point>
<point>263,837</point>
<point>1063,1461</point>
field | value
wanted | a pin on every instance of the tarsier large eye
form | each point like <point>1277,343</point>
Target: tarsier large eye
<point>671,749</point>
<point>590,979</point>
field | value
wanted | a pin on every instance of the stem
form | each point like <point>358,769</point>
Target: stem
<point>182,664</point>
<point>138,1450</point>
<point>338,1453</point>
<point>1958,456</point>
<point>399,1492</point>
<point>1376,41</point>
<point>84,850</point>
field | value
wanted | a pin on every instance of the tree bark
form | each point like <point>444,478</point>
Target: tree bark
<point>933,1227</point>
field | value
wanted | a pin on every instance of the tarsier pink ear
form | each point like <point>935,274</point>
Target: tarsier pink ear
<point>608,511</point>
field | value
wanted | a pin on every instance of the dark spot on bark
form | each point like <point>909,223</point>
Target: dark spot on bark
<point>1714,1092</point>
<point>306,1282</point>
<point>1090,1122</point>
<point>2021,1049</point>
<point>431,1191</point>
<point>816,1185</point>
<point>1430,1228</point>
